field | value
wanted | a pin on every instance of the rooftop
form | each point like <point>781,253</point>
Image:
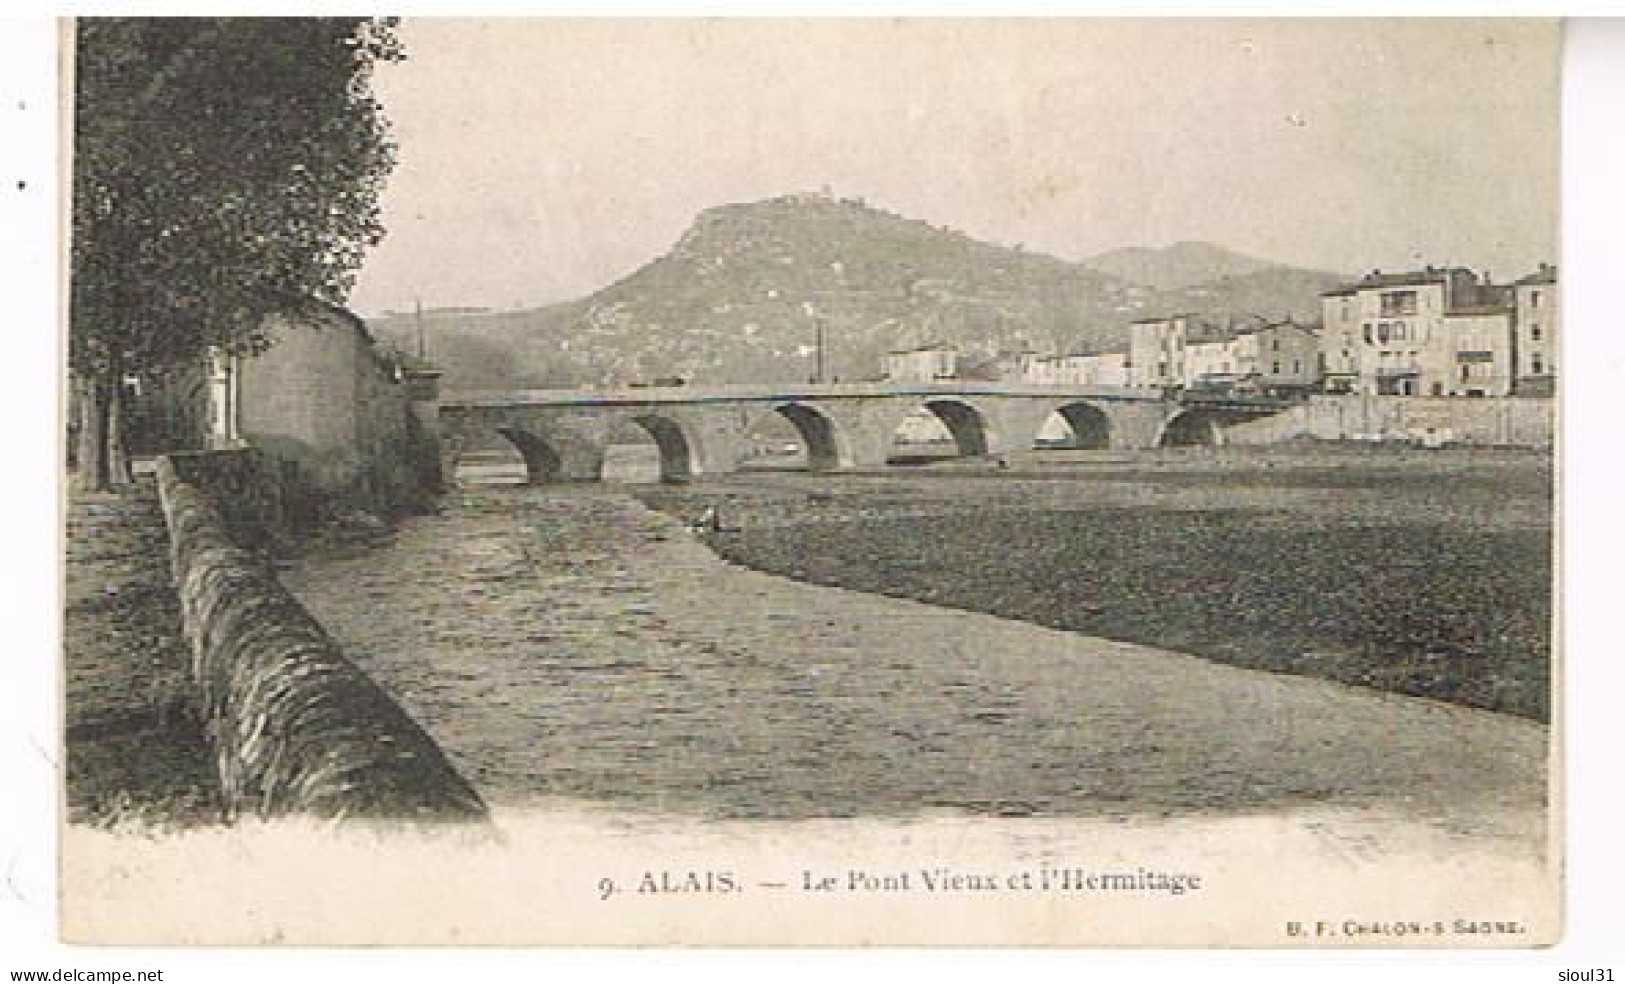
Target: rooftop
<point>1547,274</point>
<point>1163,319</point>
<point>1408,278</point>
<point>926,347</point>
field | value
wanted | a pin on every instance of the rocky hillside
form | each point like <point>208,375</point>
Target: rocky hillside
<point>746,291</point>
<point>1187,264</point>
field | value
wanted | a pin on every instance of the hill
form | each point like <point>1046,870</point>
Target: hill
<point>1185,264</point>
<point>748,289</point>
<point>1273,293</point>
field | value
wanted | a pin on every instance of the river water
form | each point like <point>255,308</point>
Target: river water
<point>567,645</point>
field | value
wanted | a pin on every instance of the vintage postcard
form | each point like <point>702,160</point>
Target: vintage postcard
<point>812,482</point>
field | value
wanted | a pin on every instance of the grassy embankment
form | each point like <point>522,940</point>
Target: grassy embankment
<point>1419,573</point>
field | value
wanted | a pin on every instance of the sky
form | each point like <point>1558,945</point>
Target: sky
<point>543,159</point>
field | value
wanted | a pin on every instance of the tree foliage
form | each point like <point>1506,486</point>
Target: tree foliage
<point>223,169</point>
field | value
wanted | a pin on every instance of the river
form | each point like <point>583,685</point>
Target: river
<point>568,645</point>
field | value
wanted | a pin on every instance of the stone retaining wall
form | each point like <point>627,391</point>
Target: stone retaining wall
<point>1523,422</point>
<point>1501,421</point>
<point>245,488</point>
<point>297,727</point>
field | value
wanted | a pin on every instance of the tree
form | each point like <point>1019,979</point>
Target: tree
<point>224,169</point>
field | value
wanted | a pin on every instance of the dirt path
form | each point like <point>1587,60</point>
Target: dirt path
<point>135,753</point>
<point>574,644</point>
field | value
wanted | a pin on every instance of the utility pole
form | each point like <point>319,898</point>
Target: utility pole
<point>818,324</point>
<point>423,342</point>
<point>811,310</point>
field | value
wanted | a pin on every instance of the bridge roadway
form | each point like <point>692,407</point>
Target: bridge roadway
<point>706,430</point>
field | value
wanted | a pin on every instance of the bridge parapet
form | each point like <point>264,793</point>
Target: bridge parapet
<point>564,434</point>
<point>785,392</point>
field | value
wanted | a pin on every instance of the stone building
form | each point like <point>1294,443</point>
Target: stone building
<point>1536,332</point>
<point>1078,369</point>
<point>1482,354</point>
<point>1156,354</point>
<point>345,420</point>
<point>1430,332</point>
<point>1278,357</point>
<point>922,364</point>
<point>1339,355</point>
<point>1019,365</point>
<point>1210,358</point>
<point>1107,369</point>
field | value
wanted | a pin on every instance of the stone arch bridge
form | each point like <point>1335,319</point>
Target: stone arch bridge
<point>563,434</point>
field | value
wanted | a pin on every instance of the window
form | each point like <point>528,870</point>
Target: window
<point>1297,367</point>
<point>1534,298</point>
<point>1466,372</point>
<point>1535,364</point>
<point>1276,367</point>
<point>1398,303</point>
<point>1534,333</point>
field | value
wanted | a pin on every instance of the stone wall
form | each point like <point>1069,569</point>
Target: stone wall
<point>244,487</point>
<point>297,728</point>
<point>1524,422</point>
<point>1273,429</point>
<point>339,416</point>
<point>1503,422</point>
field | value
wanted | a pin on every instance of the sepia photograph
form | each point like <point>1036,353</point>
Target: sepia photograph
<point>811,482</point>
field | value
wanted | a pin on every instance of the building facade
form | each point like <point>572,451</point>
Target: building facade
<point>1280,357</point>
<point>1431,332</point>
<point>1210,361</point>
<point>1536,332</point>
<point>1081,369</point>
<point>1339,355</point>
<point>346,420</point>
<point>1266,357</point>
<point>924,364</point>
<point>1156,354</point>
<point>1482,352</point>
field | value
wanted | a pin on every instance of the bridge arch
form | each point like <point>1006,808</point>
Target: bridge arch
<point>543,463</point>
<point>1191,428</point>
<point>679,452</point>
<point>822,438</point>
<point>965,423</point>
<point>551,450</point>
<point>1091,427</point>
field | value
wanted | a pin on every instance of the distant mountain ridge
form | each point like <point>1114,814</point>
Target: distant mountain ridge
<point>746,293</point>
<point>1184,264</point>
